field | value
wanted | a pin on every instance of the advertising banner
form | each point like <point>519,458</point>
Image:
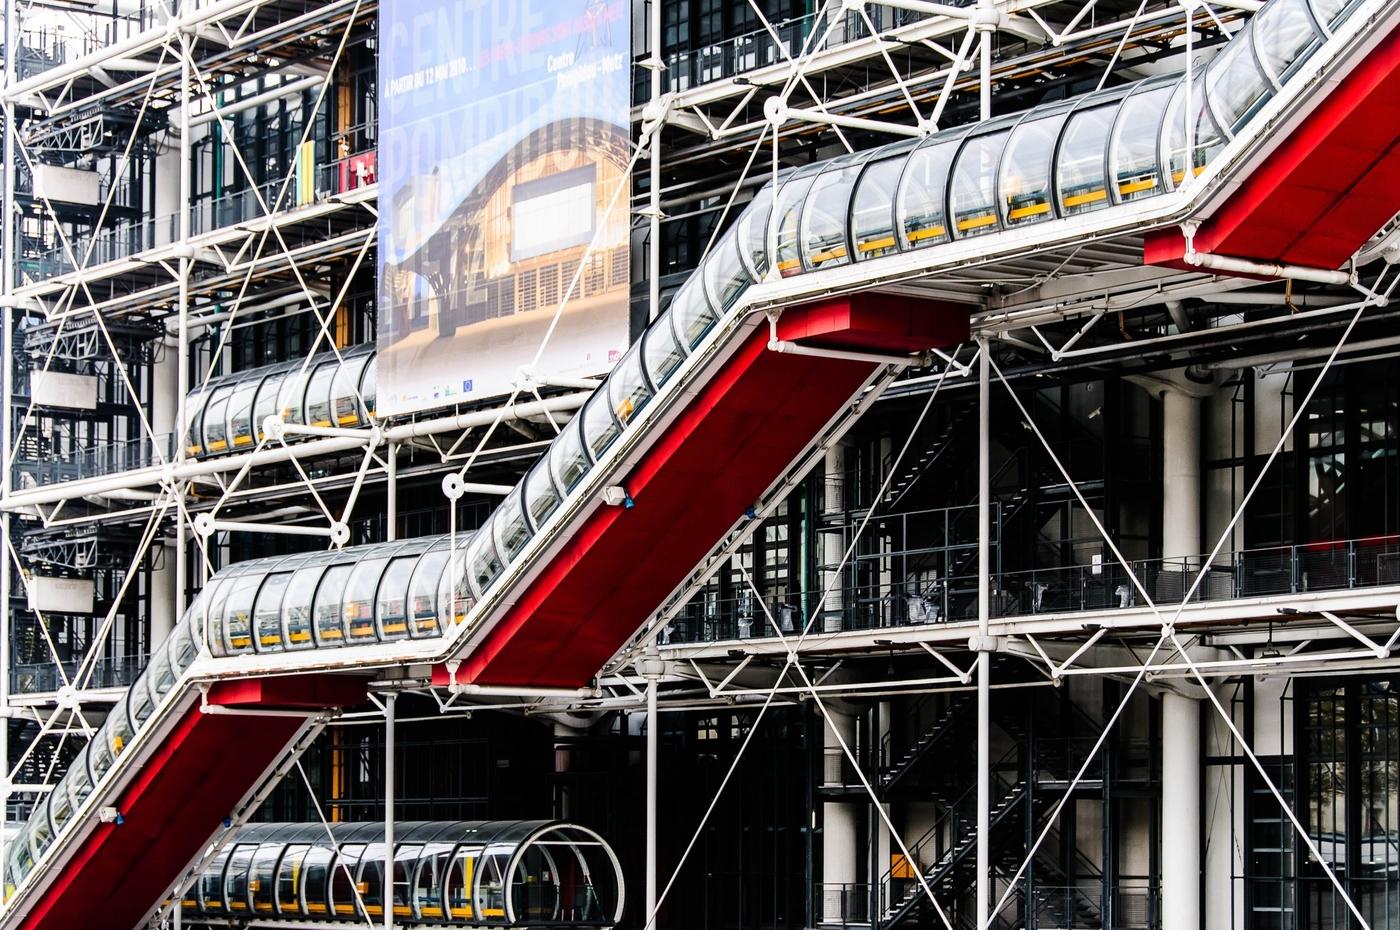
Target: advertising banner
<point>504,136</point>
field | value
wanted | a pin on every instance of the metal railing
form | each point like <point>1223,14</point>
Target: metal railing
<point>44,677</point>
<point>761,48</point>
<point>1326,566</point>
<point>124,240</point>
<point>108,458</point>
<point>842,904</point>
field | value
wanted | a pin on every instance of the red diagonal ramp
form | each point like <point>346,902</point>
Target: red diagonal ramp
<point>178,800</point>
<point>1325,190</point>
<point>741,431</point>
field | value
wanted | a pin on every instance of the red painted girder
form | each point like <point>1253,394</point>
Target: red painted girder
<point>745,426</point>
<point>178,800</point>
<point>1324,190</point>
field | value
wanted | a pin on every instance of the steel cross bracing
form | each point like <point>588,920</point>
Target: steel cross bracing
<point>1035,275</point>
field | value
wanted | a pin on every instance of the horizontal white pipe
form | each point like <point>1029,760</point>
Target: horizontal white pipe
<point>195,468</point>
<point>1290,355</point>
<point>853,122</point>
<point>1231,265</point>
<point>257,100</point>
<point>783,347</point>
<point>283,529</point>
<point>932,9</point>
<point>473,487</point>
<point>221,711</point>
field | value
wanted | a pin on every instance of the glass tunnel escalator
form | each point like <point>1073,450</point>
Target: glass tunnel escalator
<point>524,873</point>
<point>1058,161</point>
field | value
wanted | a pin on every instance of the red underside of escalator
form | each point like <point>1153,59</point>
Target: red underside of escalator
<point>196,778</point>
<point>734,439</point>
<point>1324,191</point>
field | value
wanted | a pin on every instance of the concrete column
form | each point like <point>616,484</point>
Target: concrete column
<point>841,845</point>
<point>1181,475</point>
<point>162,601</point>
<point>1181,806</point>
<point>1272,411</point>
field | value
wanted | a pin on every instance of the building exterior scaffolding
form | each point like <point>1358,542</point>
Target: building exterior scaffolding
<point>994,523</point>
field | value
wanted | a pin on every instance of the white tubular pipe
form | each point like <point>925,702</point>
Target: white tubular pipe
<point>933,9</point>
<point>195,468</point>
<point>853,122</point>
<point>783,347</point>
<point>283,529</point>
<point>390,700</point>
<point>649,912</point>
<point>277,93</point>
<point>470,487</point>
<point>1265,269</point>
<point>534,408</point>
<point>506,691</point>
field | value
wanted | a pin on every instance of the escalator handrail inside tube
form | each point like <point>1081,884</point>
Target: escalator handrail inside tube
<point>1098,152</point>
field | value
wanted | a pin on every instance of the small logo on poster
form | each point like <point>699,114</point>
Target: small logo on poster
<point>467,386</point>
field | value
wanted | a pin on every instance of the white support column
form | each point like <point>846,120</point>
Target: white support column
<point>652,734</point>
<point>1181,805</point>
<point>162,593</point>
<point>841,845</point>
<point>1181,475</point>
<point>984,615</point>
<point>654,204</point>
<point>390,700</point>
<point>832,544</point>
<point>391,482</point>
<point>182,340</point>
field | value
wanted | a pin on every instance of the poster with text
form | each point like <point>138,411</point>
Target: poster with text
<point>504,140</point>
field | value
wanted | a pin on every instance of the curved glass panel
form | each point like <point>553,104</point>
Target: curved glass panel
<point>371,879</point>
<point>318,394</point>
<point>194,420</point>
<point>262,884</point>
<point>344,893</point>
<point>725,272</point>
<point>454,596</point>
<point>357,609</point>
<point>753,232</point>
<point>290,874</point>
<point>236,878</point>
<point>1332,12</point>
<point>483,564</point>
<point>600,427</point>
<point>1134,165</point>
<point>314,894</point>
<point>1025,171</point>
<point>240,413</point>
<point>60,809</point>
<point>159,675</point>
<point>238,613</point>
<point>39,829</point>
<point>661,352</point>
<point>1284,36</point>
<point>919,207</point>
<point>296,607</point>
<point>267,613</point>
<point>423,591</point>
<point>429,881</point>
<point>541,496</point>
<point>1207,139</point>
<point>827,212</point>
<point>691,314</point>
<point>1082,162</point>
<point>265,404</point>
<point>787,217</point>
<point>872,208</point>
<point>627,386</point>
<point>290,396</point>
<point>567,458</point>
<point>209,890</point>
<point>391,603</point>
<point>326,611</point>
<point>1237,86</point>
<point>512,530</point>
<point>216,420</point>
<point>345,392</point>
<point>369,385</point>
<point>972,197</point>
